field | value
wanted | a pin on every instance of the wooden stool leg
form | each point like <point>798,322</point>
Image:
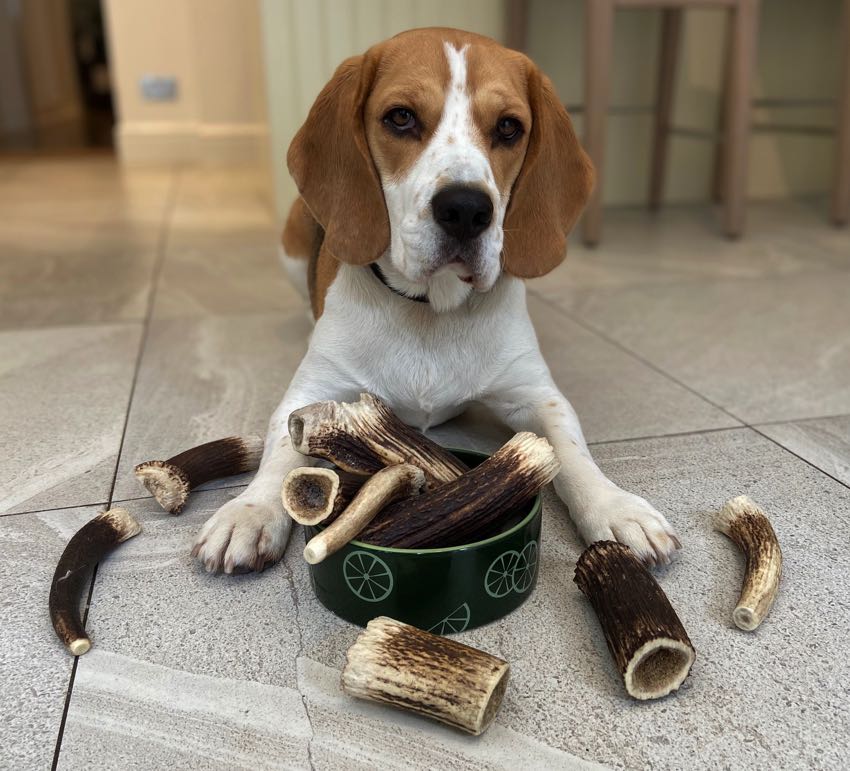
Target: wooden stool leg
<point>671,28</point>
<point>737,134</point>
<point>516,24</point>
<point>598,41</point>
<point>722,112</point>
<point>841,192</point>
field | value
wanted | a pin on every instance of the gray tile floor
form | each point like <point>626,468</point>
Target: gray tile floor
<point>143,311</point>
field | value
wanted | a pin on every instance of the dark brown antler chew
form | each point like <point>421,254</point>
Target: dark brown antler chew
<point>400,665</point>
<point>169,481</point>
<point>362,437</point>
<point>748,526</point>
<point>471,504</point>
<point>648,642</point>
<point>312,494</point>
<point>87,547</point>
<point>388,485</point>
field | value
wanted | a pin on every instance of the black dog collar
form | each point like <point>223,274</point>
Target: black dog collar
<point>379,274</point>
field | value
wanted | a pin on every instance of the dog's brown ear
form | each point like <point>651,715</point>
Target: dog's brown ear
<point>551,189</point>
<point>329,160</point>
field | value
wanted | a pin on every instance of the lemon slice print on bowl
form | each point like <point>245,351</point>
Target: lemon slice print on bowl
<point>456,621</point>
<point>499,578</point>
<point>526,567</point>
<point>368,576</point>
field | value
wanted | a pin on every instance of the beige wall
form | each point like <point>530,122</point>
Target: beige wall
<point>214,49</point>
<point>798,57</point>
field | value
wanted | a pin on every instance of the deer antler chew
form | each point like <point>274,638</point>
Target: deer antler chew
<point>169,481</point>
<point>364,436</point>
<point>650,647</point>
<point>312,494</point>
<point>400,665</point>
<point>469,505</point>
<point>748,526</point>
<point>388,485</point>
<point>87,547</point>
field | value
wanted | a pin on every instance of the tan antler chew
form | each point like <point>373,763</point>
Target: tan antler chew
<point>400,665</point>
<point>748,526</point>
<point>169,481</point>
<point>87,547</point>
<point>364,436</point>
<point>470,505</point>
<point>312,494</point>
<point>388,485</point>
<point>650,647</point>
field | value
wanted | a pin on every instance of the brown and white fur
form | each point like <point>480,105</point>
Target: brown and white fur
<point>428,111</point>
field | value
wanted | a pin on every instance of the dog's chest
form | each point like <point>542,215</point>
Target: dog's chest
<point>427,366</point>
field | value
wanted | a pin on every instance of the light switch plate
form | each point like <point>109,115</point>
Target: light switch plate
<point>158,88</point>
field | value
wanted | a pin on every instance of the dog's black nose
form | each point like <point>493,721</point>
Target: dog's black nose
<point>463,212</point>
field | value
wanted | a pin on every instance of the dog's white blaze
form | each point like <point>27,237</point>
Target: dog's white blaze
<point>454,155</point>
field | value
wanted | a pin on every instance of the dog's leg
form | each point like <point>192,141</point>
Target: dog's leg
<point>252,530</point>
<point>600,509</point>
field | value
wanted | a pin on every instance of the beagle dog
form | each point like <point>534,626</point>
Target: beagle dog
<point>436,172</point>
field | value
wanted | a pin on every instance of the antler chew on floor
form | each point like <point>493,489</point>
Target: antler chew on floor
<point>87,547</point>
<point>169,481</point>
<point>648,642</point>
<point>746,524</point>
<point>403,666</point>
<point>362,437</point>
<point>388,485</point>
<point>312,494</point>
<point>469,505</point>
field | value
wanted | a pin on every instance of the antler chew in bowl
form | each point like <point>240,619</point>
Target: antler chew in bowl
<point>388,485</point>
<point>650,647</point>
<point>312,494</point>
<point>362,437</point>
<point>748,526</point>
<point>87,547</point>
<point>169,481</point>
<point>471,504</point>
<point>403,666</point>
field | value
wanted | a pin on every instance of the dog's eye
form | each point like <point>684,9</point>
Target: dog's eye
<point>401,120</point>
<point>508,129</point>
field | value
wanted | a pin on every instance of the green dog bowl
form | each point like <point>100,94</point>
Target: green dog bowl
<point>441,590</point>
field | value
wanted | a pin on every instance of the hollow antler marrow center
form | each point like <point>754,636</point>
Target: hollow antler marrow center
<point>659,667</point>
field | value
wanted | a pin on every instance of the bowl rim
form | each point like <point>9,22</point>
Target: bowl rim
<point>535,508</point>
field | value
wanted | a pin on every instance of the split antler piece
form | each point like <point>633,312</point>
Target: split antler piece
<point>362,437</point>
<point>746,524</point>
<point>472,504</point>
<point>403,666</point>
<point>388,485</point>
<point>312,494</point>
<point>650,647</point>
<point>169,481</point>
<point>87,547</point>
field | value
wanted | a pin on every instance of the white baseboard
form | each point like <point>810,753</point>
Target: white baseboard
<point>190,142</point>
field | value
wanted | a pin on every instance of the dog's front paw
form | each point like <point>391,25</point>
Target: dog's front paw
<point>243,535</point>
<point>620,516</point>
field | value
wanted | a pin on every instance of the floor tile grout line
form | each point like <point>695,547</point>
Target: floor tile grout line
<point>53,508</point>
<point>162,245</point>
<point>801,420</point>
<point>636,356</point>
<point>123,500</point>
<point>797,455</point>
<point>162,242</point>
<point>827,269</point>
<point>672,435</point>
<point>744,424</point>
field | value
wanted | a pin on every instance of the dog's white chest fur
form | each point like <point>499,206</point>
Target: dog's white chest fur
<point>426,365</point>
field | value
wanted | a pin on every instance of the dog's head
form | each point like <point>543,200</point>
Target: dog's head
<point>449,151</point>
